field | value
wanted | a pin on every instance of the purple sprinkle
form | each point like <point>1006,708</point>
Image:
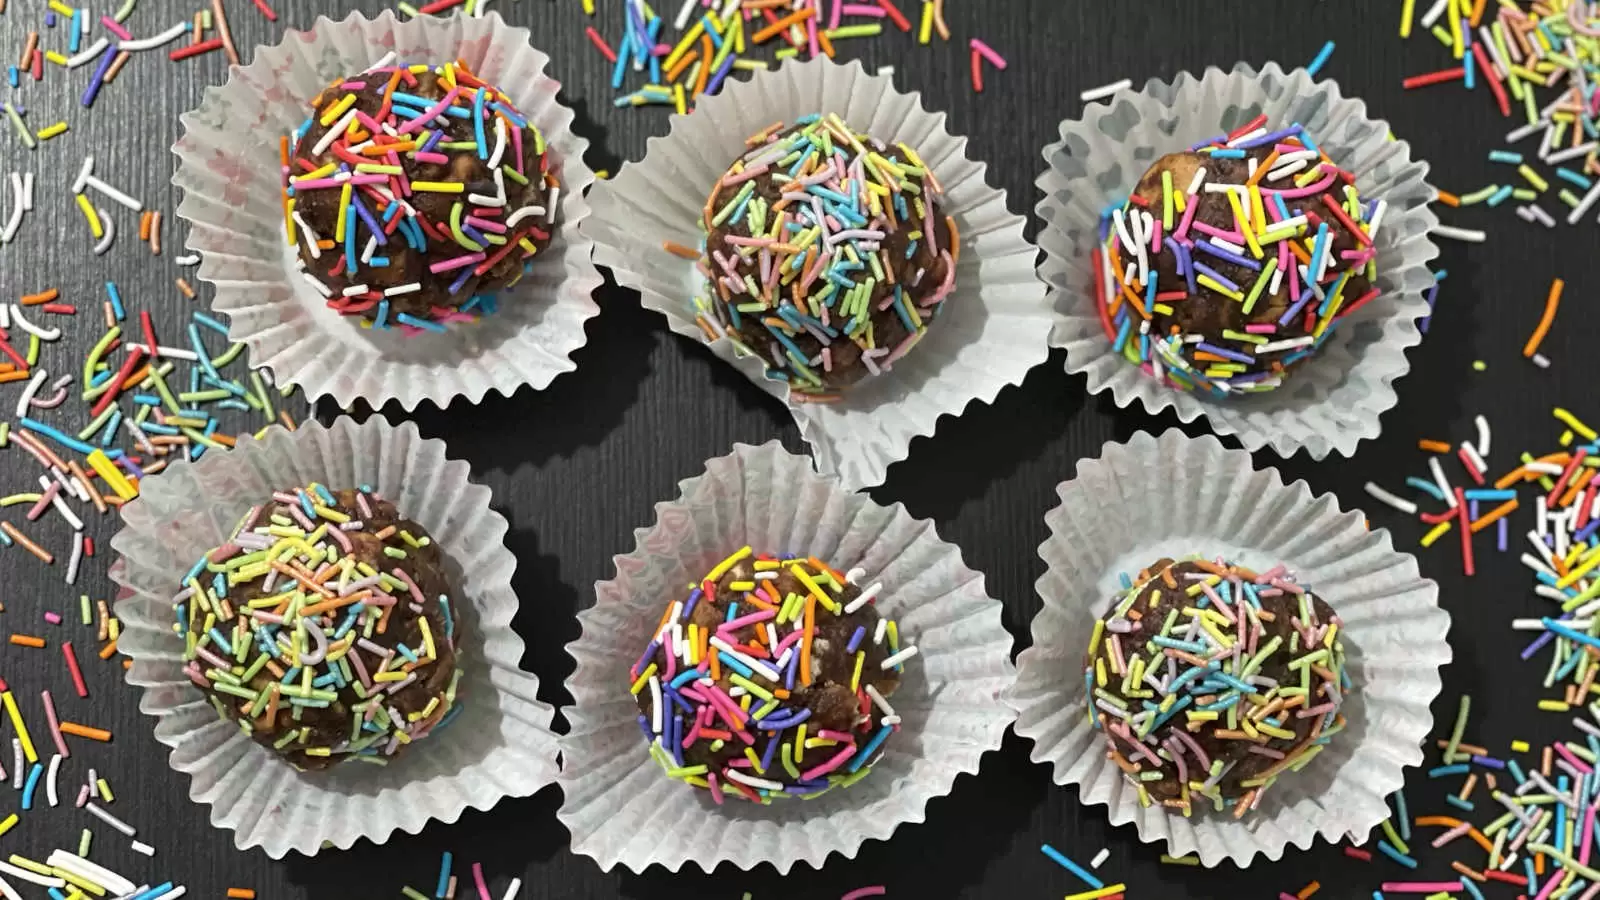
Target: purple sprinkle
<point>855,639</point>
<point>1223,352</point>
<point>1533,648</point>
<point>1489,761</point>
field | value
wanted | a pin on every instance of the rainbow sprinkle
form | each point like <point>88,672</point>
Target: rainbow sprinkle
<point>287,628</point>
<point>414,193</point>
<point>1223,281</point>
<point>825,248</point>
<point>1252,660</point>
<point>1518,52</point>
<point>776,673</point>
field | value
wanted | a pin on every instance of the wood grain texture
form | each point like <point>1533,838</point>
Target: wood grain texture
<point>578,467</point>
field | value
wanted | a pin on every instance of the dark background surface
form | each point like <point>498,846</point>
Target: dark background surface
<point>577,467</point>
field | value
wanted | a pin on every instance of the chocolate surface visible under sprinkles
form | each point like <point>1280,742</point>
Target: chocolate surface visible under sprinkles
<point>826,252</point>
<point>324,628</point>
<point>770,679</point>
<point>1234,261</point>
<point>413,193</point>
<point>1210,681</point>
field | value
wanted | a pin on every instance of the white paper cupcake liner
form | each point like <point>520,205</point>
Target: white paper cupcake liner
<point>1332,401</point>
<point>988,335</point>
<point>1176,496</point>
<point>620,806</point>
<point>228,171</point>
<point>500,744</point>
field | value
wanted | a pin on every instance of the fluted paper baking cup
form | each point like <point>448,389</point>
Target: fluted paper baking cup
<point>621,807</point>
<point>1330,402</point>
<point>229,171</point>
<point>499,745</point>
<point>988,334</point>
<point>1176,496</point>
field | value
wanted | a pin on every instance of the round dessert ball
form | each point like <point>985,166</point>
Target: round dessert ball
<point>1233,262</point>
<point>1185,733</point>
<point>827,253</point>
<point>770,679</point>
<point>413,193</point>
<point>324,608</point>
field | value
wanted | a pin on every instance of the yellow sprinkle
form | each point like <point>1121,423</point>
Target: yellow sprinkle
<point>1107,891</point>
<point>94,218</point>
<point>1438,531</point>
<point>644,679</point>
<point>9,823</point>
<point>438,187</point>
<point>1553,706</point>
<point>51,131</point>
<point>1520,747</point>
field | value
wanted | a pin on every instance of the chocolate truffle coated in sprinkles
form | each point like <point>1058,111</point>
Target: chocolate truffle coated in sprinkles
<point>1234,261</point>
<point>1211,681</point>
<point>414,193</point>
<point>826,254</point>
<point>770,679</point>
<point>324,627</point>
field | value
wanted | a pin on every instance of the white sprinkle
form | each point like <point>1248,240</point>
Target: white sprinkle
<point>885,71</point>
<point>26,399</point>
<point>1537,214</point>
<point>655,703</point>
<point>192,259</point>
<point>109,233</point>
<point>1104,91</point>
<point>550,204</point>
<point>84,171</point>
<point>1458,234</point>
<point>386,60</point>
<point>113,193</point>
<point>1405,506</point>
<point>90,871</point>
<point>142,847</point>
<point>1441,481</point>
<point>1584,205</point>
<point>173,352</point>
<point>880,631</point>
<point>316,283</point>
<point>682,20</point>
<point>354,289</point>
<point>1581,150</point>
<point>400,289</point>
<point>1525,131</point>
<point>1471,454</point>
<point>72,568</point>
<point>516,883</point>
<point>879,701</point>
<point>50,779</point>
<point>1542,517</point>
<point>865,597</point>
<point>898,658</point>
<point>333,133</point>
<point>1101,857</point>
<point>111,820</point>
<point>1540,360</point>
<point>32,877</point>
<point>1433,13</point>
<point>523,213</point>
<point>1483,435</point>
<point>1196,182</point>
<point>752,781</point>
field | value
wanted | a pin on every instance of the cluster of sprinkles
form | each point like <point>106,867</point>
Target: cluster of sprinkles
<point>1280,233</point>
<point>1193,650</point>
<point>718,37</point>
<point>815,262</point>
<point>742,695</point>
<point>286,616</point>
<point>1537,60</point>
<point>68,41</point>
<point>371,160</point>
<point>1561,488</point>
<point>1539,842</point>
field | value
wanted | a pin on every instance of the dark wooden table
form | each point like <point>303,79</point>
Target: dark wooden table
<point>576,468</point>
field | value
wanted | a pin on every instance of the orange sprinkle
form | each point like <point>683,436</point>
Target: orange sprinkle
<point>27,640</point>
<point>682,64</point>
<point>705,66</point>
<point>781,25</point>
<point>12,532</point>
<point>1448,822</point>
<point>1314,886</point>
<point>805,642</point>
<point>1493,515</point>
<point>84,731</point>
<point>42,297</point>
<point>241,894</point>
<point>1433,446</point>
<point>1449,199</point>
<point>184,288</point>
<point>144,226</point>
<point>1550,304</point>
<point>680,250</point>
<point>109,649</point>
<point>6,377</point>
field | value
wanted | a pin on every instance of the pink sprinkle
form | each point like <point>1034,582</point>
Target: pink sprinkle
<point>876,890</point>
<point>477,877</point>
<point>52,618</point>
<point>1425,887</point>
<point>987,52</point>
<point>1261,328</point>
<point>863,9</point>
<point>429,156</point>
<point>112,26</point>
<point>1588,832</point>
<point>1566,754</point>
<point>433,112</point>
<point>457,262</point>
<point>838,9</point>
